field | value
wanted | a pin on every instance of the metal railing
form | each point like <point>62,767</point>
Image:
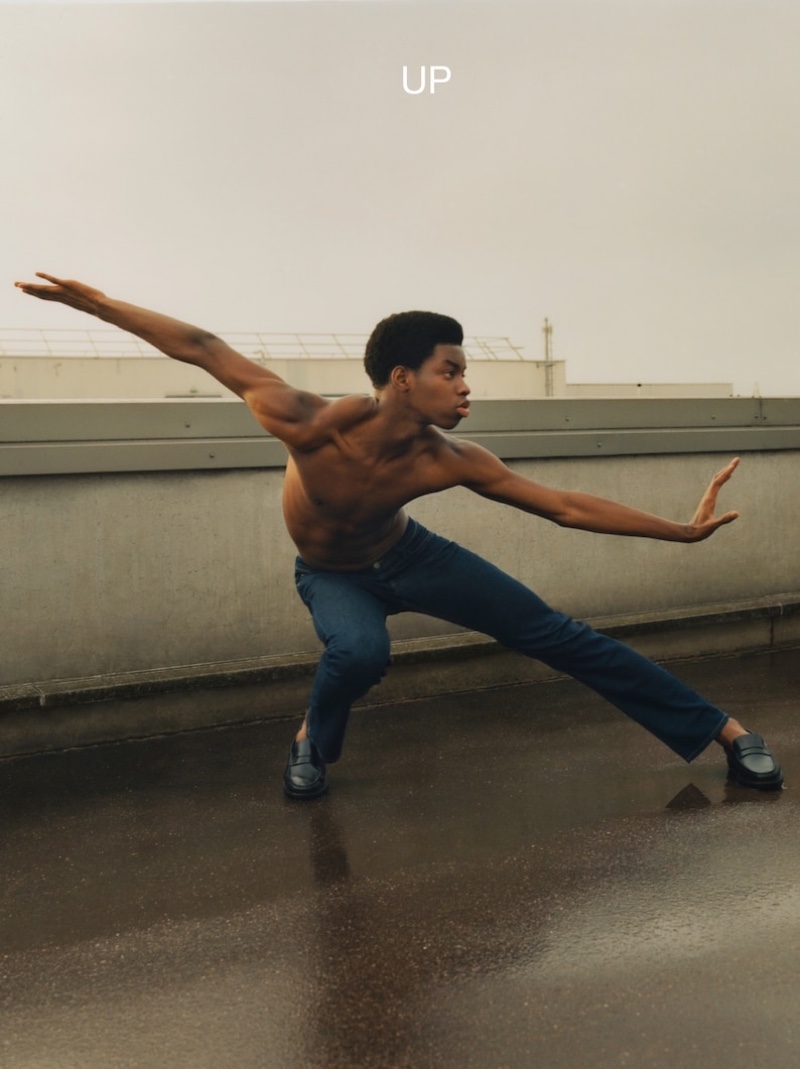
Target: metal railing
<point>254,344</point>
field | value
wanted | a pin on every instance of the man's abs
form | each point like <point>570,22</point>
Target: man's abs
<point>344,547</point>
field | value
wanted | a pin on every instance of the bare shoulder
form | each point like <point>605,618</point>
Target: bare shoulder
<point>344,411</point>
<point>332,417</point>
<point>468,463</point>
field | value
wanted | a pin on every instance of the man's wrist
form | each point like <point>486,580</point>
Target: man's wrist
<point>104,308</point>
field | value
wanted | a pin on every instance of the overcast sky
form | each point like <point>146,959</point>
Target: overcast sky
<point>628,169</point>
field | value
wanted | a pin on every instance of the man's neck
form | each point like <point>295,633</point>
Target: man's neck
<point>395,427</point>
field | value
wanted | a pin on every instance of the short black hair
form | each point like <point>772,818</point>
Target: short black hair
<point>407,338</point>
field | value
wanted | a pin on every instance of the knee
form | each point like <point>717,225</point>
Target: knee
<point>364,656</point>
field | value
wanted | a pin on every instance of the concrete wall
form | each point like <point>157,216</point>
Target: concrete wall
<point>105,574</point>
<point>148,538</point>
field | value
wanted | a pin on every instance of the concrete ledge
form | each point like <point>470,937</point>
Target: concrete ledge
<point>72,437</point>
<point>700,631</point>
<point>62,713</point>
<point>251,671</point>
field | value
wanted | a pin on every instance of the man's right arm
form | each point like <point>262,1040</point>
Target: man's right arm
<point>280,408</point>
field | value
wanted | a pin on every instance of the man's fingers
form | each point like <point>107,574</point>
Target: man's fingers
<point>729,517</point>
<point>725,474</point>
<point>706,528</point>
<point>704,517</point>
<point>33,287</point>
<point>62,290</point>
<point>718,481</point>
<point>47,293</point>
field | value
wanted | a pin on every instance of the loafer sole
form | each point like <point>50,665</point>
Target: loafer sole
<point>772,782</point>
<point>301,793</point>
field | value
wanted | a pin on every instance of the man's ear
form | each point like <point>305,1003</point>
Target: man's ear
<point>399,378</point>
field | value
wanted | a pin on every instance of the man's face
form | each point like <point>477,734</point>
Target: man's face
<point>439,389</point>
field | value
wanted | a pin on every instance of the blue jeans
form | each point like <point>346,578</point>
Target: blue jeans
<point>429,574</point>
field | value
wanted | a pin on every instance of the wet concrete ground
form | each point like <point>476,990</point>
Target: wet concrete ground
<point>500,880</point>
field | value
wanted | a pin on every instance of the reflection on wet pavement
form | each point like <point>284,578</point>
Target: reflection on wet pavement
<point>508,878</point>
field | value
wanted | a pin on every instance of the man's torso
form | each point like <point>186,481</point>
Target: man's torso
<point>343,500</point>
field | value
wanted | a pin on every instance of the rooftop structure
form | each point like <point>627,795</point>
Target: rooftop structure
<point>100,363</point>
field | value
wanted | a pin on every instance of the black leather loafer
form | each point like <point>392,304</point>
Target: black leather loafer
<point>305,775</point>
<point>751,764</point>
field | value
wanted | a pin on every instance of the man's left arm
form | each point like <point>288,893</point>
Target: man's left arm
<point>488,476</point>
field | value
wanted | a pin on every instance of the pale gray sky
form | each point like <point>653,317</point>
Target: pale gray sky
<point>628,169</point>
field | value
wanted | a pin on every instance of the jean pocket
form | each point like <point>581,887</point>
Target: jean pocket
<point>301,569</point>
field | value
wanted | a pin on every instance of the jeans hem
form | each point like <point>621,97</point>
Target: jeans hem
<point>704,745</point>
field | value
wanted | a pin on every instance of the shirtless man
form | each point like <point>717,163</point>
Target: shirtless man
<point>354,463</point>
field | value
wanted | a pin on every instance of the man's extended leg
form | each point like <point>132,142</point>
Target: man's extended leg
<point>455,584</point>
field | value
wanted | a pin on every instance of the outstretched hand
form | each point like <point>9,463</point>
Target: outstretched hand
<point>704,522</point>
<point>65,291</point>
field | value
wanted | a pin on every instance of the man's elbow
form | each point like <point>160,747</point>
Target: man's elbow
<point>204,341</point>
<point>199,347</point>
<point>564,513</point>
<point>564,519</point>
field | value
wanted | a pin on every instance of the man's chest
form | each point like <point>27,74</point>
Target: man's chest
<point>343,484</point>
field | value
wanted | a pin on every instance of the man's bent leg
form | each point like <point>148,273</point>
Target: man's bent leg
<point>351,622</point>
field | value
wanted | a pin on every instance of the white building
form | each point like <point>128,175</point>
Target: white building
<point>89,364</point>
